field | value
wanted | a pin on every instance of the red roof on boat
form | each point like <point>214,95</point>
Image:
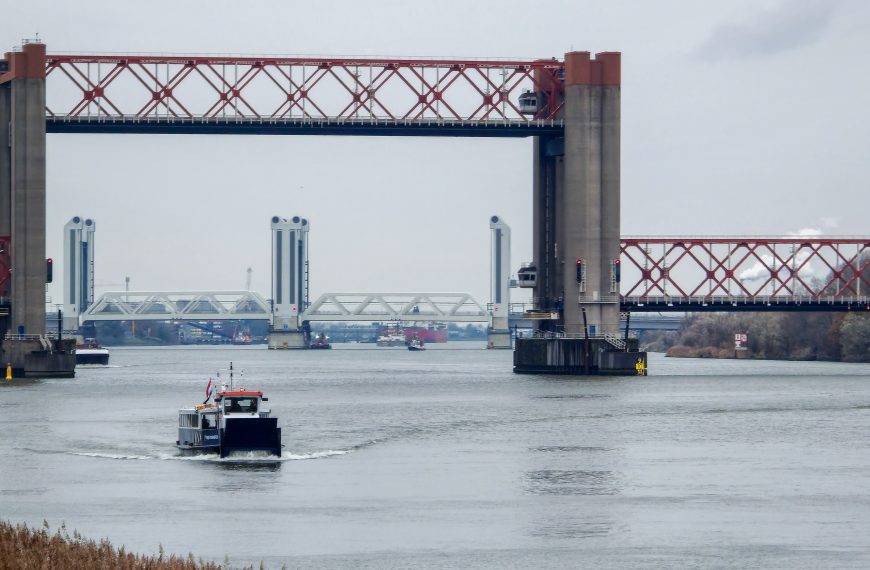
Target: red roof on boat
<point>240,393</point>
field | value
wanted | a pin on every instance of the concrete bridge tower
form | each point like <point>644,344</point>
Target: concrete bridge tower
<point>78,272</point>
<point>22,215</point>
<point>289,282</point>
<point>577,231</point>
<point>576,200</point>
<point>498,335</point>
<point>22,183</point>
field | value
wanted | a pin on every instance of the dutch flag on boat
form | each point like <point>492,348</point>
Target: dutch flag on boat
<point>208,390</point>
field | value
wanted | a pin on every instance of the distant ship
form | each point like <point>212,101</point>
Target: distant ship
<point>89,352</point>
<point>433,332</point>
<point>391,339</point>
<point>399,335</point>
<point>241,337</point>
<point>320,341</point>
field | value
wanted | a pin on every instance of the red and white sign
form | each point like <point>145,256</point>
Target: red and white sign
<point>739,341</point>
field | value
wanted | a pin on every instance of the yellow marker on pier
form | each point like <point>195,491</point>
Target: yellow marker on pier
<point>640,367</point>
<point>8,372</point>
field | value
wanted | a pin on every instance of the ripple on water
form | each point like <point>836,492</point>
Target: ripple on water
<point>572,482</point>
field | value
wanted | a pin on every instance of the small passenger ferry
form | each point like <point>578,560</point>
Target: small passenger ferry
<point>237,420</point>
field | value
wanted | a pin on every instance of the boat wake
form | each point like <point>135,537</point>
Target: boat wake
<point>238,457</point>
<point>110,455</point>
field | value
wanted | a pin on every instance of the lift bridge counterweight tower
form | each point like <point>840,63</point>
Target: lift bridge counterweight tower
<point>289,282</point>
<point>78,272</point>
<point>498,335</point>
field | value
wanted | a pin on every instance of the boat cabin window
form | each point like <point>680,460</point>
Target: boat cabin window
<point>209,421</point>
<point>240,405</point>
<point>190,420</point>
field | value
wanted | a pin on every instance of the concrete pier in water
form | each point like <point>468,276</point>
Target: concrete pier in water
<point>22,217</point>
<point>577,224</point>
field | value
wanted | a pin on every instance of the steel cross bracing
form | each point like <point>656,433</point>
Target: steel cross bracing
<point>301,95</point>
<point>745,273</point>
<point>177,306</point>
<point>435,307</point>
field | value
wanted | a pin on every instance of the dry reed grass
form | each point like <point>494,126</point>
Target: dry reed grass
<point>22,547</point>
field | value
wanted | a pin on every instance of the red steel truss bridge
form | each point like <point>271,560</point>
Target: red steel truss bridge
<point>303,95</point>
<point>801,273</point>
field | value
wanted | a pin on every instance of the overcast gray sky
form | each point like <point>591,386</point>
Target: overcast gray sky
<point>739,117</point>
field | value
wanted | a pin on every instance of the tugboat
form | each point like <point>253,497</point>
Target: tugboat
<point>416,344</point>
<point>235,421</point>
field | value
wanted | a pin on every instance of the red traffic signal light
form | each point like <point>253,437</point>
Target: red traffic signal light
<point>49,270</point>
<point>579,271</point>
<point>617,274</point>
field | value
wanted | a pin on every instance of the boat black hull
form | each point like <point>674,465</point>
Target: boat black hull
<point>92,358</point>
<point>251,434</point>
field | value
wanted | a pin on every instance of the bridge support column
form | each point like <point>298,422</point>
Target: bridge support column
<point>576,226</point>
<point>576,201</point>
<point>498,334</point>
<point>22,215</point>
<point>22,183</point>
<point>289,283</point>
<point>582,198</point>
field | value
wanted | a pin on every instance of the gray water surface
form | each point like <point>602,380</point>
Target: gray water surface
<point>446,459</point>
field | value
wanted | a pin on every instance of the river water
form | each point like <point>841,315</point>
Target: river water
<point>446,459</point>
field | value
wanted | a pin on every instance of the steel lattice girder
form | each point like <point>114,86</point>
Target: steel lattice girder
<point>177,305</point>
<point>184,87</point>
<point>431,307</point>
<point>802,266</point>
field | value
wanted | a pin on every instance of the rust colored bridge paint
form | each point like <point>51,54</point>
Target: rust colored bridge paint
<point>745,273</point>
<point>129,87</point>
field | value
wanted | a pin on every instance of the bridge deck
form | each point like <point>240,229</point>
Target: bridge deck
<point>299,126</point>
<point>744,303</point>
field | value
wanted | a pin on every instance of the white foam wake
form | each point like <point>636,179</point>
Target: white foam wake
<point>110,455</point>
<point>250,456</point>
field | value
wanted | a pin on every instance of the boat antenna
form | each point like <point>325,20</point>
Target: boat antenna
<point>231,375</point>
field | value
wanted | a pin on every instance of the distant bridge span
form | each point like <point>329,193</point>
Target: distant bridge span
<point>237,305</point>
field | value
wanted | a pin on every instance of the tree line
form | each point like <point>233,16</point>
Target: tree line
<point>779,336</point>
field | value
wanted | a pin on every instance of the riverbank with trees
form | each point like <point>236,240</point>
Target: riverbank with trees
<point>840,337</point>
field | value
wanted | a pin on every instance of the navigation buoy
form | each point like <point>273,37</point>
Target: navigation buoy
<point>8,372</point>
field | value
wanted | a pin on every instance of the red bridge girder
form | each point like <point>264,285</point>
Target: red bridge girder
<point>803,267</point>
<point>135,86</point>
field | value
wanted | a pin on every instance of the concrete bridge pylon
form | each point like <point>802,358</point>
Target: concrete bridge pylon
<point>24,345</point>
<point>78,271</point>
<point>498,334</point>
<point>289,282</point>
<point>22,183</point>
<point>576,201</point>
